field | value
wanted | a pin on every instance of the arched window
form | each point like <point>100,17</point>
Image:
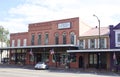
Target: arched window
<point>64,38</point>
<point>72,38</point>
<point>56,38</point>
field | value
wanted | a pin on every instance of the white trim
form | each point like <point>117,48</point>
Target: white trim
<point>74,39</point>
<point>83,44</point>
<point>88,43</point>
<point>95,43</point>
<point>98,43</point>
<point>94,50</point>
<point>105,42</point>
<point>41,46</point>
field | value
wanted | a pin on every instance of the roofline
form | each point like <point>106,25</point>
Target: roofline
<point>94,50</point>
<point>39,46</point>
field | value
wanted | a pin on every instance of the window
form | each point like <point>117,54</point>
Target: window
<point>46,39</point>
<point>93,59</point>
<point>56,57</point>
<point>103,44</point>
<point>13,43</point>
<point>56,38</point>
<point>18,42</point>
<point>117,38</point>
<point>73,57</point>
<point>32,39</point>
<point>118,58</point>
<point>64,38</point>
<point>24,42</point>
<point>92,43</point>
<point>72,38</point>
<point>39,39</point>
<point>82,44</point>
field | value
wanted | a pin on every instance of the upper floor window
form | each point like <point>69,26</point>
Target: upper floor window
<point>32,39</point>
<point>24,42</point>
<point>56,38</point>
<point>18,42</point>
<point>39,39</point>
<point>92,43</point>
<point>72,38</point>
<point>103,43</point>
<point>117,38</point>
<point>82,44</point>
<point>64,38</point>
<point>13,43</point>
<point>46,39</point>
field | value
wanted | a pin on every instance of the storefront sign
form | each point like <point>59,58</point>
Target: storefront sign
<point>64,25</point>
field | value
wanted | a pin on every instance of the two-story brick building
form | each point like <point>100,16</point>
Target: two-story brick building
<point>91,52</point>
<point>35,45</point>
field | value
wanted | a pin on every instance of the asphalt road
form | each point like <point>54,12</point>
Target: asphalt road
<point>23,72</point>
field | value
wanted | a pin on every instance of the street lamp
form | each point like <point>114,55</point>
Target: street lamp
<point>99,61</point>
<point>99,29</point>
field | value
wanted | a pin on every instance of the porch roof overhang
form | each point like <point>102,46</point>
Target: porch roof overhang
<point>39,46</point>
<point>94,50</point>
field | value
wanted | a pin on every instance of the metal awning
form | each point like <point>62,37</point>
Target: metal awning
<point>94,50</point>
<point>39,46</point>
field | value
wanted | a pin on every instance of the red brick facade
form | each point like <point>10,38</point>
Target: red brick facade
<point>66,26</point>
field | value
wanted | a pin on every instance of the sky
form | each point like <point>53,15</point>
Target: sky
<point>16,15</point>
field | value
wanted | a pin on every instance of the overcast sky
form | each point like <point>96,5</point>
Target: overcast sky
<point>15,15</point>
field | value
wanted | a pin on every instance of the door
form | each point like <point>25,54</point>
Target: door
<point>81,63</point>
<point>39,57</point>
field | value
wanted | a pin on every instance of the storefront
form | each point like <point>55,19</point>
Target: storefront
<point>97,58</point>
<point>54,55</point>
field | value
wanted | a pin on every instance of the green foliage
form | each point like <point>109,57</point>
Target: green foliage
<point>3,35</point>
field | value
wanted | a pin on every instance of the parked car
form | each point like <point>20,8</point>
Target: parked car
<point>41,65</point>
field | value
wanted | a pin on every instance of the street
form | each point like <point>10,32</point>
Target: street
<point>23,72</point>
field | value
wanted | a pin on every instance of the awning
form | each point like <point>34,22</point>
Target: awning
<point>94,50</point>
<point>38,46</point>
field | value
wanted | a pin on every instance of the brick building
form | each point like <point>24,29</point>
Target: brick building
<point>35,45</point>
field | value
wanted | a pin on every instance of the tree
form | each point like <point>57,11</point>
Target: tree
<point>3,36</point>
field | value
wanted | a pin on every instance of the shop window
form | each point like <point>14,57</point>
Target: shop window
<point>39,39</point>
<point>93,59</point>
<point>72,57</point>
<point>56,38</point>
<point>56,57</point>
<point>118,58</point>
<point>64,38</point>
<point>63,59</point>
<point>45,57</point>
<point>31,58</point>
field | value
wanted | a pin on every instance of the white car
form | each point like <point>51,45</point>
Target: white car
<point>41,65</point>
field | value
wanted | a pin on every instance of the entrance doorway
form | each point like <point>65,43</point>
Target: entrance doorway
<point>81,63</point>
<point>38,57</point>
